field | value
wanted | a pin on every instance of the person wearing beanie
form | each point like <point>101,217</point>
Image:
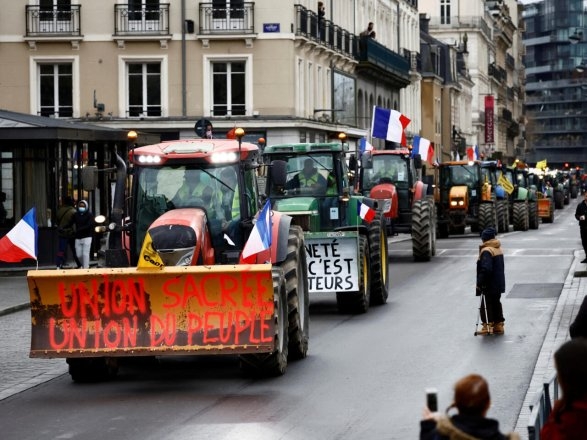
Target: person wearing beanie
<point>491,282</point>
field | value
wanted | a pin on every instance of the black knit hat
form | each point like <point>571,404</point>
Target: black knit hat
<point>488,234</point>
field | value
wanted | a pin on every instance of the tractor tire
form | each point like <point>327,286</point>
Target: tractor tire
<point>550,218</point>
<point>358,302</point>
<point>275,363</point>
<point>378,261</point>
<point>423,232</point>
<point>503,221</point>
<point>533,215</point>
<point>487,216</point>
<point>574,191</point>
<point>443,230</point>
<point>521,216</point>
<point>559,200</point>
<point>87,370</point>
<point>298,299</point>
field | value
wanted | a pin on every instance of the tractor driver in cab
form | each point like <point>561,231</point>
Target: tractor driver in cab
<point>309,180</point>
<point>386,174</point>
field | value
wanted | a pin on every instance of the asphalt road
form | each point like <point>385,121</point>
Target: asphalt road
<point>363,379</point>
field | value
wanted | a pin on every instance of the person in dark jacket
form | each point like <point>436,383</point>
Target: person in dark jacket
<point>568,418</point>
<point>66,232</point>
<point>581,216</point>
<point>472,401</point>
<point>83,221</point>
<point>491,283</point>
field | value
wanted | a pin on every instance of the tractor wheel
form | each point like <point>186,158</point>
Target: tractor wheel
<point>423,233</point>
<point>378,262</point>
<point>275,363</point>
<point>559,200</point>
<point>92,369</point>
<point>487,216</point>
<point>358,302</point>
<point>533,215</point>
<point>521,216</point>
<point>443,230</point>
<point>298,300</point>
<point>551,217</point>
<point>502,216</point>
<point>574,191</point>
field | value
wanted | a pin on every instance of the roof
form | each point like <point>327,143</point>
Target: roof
<point>22,126</point>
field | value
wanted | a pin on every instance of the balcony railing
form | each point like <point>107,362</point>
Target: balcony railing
<point>377,54</point>
<point>461,22</point>
<point>53,22</point>
<point>141,21</point>
<point>324,32</point>
<point>499,73</point>
<point>238,18</point>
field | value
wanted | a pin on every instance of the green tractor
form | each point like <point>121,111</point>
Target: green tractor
<point>346,241</point>
<point>523,199</point>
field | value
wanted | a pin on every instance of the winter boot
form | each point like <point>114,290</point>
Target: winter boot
<point>486,329</point>
<point>498,328</point>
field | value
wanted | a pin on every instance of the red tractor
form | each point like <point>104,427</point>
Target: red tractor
<point>393,176</point>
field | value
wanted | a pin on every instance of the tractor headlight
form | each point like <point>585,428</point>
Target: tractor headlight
<point>457,203</point>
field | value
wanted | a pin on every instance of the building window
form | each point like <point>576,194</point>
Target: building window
<point>143,14</point>
<point>144,89</point>
<point>54,15</point>
<point>229,88</point>
<point>55,90</point>
<point>444,11</point>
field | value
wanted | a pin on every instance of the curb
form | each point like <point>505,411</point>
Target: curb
<point>569,301</point>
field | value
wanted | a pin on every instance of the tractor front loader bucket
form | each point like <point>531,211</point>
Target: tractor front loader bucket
<point>132,312</point>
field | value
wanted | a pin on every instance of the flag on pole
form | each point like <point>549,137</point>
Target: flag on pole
<point>424,148</point>
<point>473,153</point>
<point>506,184</point>
<point>364,145</point>
<point>541,165</point>
<point>365,212</point>
<point>260,238</point>
<point>21,241</point>
<point>389,125</point>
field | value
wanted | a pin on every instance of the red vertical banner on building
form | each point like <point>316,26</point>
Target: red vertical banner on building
<point>489,103</point>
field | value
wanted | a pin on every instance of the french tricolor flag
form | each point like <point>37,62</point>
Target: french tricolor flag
<point>365,212</point>
<point>260,238</point>
<point>364,145</point>
<point>389,125</point>
<point>21,241</point>
<point>473,153</point>
<point>424,148</point>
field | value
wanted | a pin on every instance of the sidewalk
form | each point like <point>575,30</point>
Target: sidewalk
<point>574,290</point>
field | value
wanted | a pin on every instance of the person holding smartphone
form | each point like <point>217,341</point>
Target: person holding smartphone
<point>581,216</point>
<point>471,402</point>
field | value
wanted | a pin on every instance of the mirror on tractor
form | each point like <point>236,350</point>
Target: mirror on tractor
<point>279,172</point>
<point>367,160</point>
<point>90,177</point>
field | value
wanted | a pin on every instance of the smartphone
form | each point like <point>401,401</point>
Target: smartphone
<point>432,399</point>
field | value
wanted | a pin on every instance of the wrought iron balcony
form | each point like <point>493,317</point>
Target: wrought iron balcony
<point>143,21</point>
<point>58,21</point>
<point>324,32</point>
<point>234,18</point>
<point>382,61</point>
<point>497,72</point>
